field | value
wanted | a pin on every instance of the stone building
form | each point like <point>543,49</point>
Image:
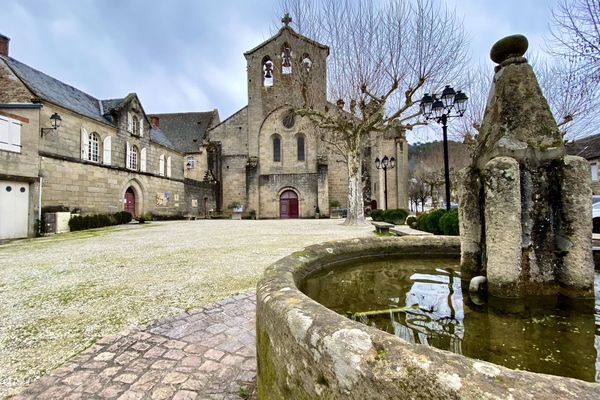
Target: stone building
<point>104,157</point>
<point>588,148</point>
<point>272,162</point>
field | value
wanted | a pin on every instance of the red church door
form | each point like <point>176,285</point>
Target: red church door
<point>288,205</point>
<point>129,201</point>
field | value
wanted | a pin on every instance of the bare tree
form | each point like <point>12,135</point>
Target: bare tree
<point>576,32</point>
<point>383,55</point>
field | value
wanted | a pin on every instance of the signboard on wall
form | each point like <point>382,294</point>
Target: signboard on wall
<point>162,199</point>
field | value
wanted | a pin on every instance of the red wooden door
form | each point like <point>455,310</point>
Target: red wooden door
<point>288,205</point>
<point>129,202</point>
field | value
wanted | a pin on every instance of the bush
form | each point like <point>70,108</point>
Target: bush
<point>122,217</point>
<point>411,221</point>
<point>377,215</point>
<point>395,216</point>
<point>335,204</point>
<point>430,221</point>
<point>449,222</point>
<point>165,217</point>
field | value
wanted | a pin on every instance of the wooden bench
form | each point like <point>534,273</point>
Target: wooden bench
<point>382,227</point>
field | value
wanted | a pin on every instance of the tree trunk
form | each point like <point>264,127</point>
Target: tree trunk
<point>356,212</point>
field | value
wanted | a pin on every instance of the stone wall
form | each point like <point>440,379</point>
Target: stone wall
<point>306,351</point>
<point>271,187</point>
<point>100,189</point>
<point>199,198</point>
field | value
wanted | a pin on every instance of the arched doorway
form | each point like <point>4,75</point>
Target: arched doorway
<point>288,205</point>
<point>129,201</point>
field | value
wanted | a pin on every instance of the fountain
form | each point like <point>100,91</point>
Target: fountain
<point>525,216</point>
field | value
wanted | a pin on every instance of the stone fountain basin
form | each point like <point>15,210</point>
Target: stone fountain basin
<point>306,351</point>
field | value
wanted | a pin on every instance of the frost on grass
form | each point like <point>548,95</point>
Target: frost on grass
<point>60,294</point>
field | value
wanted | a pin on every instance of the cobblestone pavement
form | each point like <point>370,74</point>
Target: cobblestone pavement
<point>206,354</point>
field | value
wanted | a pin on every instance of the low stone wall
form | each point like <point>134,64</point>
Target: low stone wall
<point>306,351</point>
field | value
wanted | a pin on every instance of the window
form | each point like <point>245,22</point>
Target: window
<point>135,125</point>
<point>267,70</point>
<point>286,59</point>
<point>189,164</point>
<point>133,158</point>
<point>276,148</point>
<point>93,147</point>
<point>300,143</point>
<point>161,165</point>
<point>106,146</point>
<point>10,134</point>
<point>594,169</point>
<point>169,166</point>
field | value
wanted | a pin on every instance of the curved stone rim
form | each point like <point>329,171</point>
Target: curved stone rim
<point>292,328</point>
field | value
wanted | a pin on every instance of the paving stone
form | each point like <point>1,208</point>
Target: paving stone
<point>213,362</point>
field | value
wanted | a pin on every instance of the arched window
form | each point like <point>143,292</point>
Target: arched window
<point>286,59</point>
<point>306,62</point>
<point>300,146</point>
<point>276,148</point>
<point>161,165</point>
<point>133,157</point>
<point>135,121</point>
<point>93,147</point>
<point>267,70</point>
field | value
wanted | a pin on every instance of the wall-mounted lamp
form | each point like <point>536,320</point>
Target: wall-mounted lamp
<point>55,119</point>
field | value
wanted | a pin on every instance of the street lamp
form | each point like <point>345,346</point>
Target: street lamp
<point>440,109</point>
<point>384,164</point>
<point>55,120</point>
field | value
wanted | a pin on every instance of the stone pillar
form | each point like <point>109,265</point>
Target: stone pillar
<point>573,240</point>
<point>503,226</point>
<point>470,223</point>
<point>402,173</point>
<point>323,189</point>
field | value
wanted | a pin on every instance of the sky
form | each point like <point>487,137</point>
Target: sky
<point>187,55</point>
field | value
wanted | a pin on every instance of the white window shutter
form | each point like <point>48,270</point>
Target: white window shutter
<point>127,153</point>
<point>143,160</point>
<point>14,136</point>
<point>4,135</point>
<point>129,122</point>
<point>142,126</point>
<point>169,166</point>
<point>107,151</point>
<point>85,144</point>
<point>161,165</point>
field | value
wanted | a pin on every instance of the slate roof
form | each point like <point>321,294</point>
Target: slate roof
<point>50,89</point>
<point>186,130</point>
<point>158,136</point>
<point>110,104</point>
<point>587,147</point>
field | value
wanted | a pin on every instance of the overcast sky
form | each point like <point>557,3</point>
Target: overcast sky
<point>187,55</point>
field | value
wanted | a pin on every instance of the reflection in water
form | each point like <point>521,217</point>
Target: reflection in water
<point>423,303</point>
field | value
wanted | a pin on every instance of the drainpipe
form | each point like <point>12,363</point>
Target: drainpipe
<point>40,199</point>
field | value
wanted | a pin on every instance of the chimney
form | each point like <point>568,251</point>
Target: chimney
<point>155,121</point>
<point>4,45</point>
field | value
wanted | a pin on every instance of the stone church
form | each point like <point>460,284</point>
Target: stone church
<point>63,148</point>
<point>272,162</point>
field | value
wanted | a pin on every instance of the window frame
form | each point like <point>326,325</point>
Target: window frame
<point>93,150</point>
<point>276,144</point>
<point>12,142</point>
<point>300,138</point>
<point>594,171</point>
<point>133,157</point>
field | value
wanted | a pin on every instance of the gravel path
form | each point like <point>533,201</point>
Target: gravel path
<point>60,294</point>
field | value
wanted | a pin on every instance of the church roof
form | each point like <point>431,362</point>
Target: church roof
<point>587,147</point>
<point>158,136</point>
<point>187,130</point>
<point>291,32</point>
<point>54,91</point>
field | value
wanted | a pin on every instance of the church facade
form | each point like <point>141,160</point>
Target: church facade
<point>272,162</point>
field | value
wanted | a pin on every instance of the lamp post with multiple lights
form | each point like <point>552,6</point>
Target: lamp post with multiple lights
<point>449,104</point>
<point>385,163</point>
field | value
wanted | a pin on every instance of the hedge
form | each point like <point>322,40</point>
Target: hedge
<point>439,222</point>
<point>395,216</point>
<point>377,214</point>
<point>411,221</point>
<point>449,222</point>
<point>79,223</point>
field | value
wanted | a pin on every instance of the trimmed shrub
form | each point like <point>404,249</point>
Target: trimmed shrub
<point>122,217</point>
<point>411,221</point>
<point>377,215</point>
<point>449,222</point>
<point>430,221</point>
<point>395,216</point>
<point>79,223</point>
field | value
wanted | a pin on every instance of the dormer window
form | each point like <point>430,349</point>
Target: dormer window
<point>135,125</point>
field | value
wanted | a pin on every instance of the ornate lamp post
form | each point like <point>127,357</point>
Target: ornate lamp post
<point>449,104</point>
<point>384,164</point>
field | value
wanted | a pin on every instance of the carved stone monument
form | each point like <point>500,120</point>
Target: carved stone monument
<point>525,206</point>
